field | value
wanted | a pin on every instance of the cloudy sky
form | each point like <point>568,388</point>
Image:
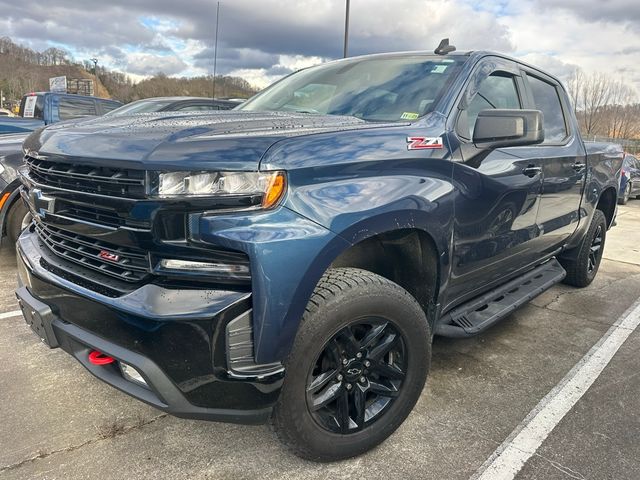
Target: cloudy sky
<point>262,40</point>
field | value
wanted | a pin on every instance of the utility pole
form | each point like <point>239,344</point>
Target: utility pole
<point>346,30</point>
<point>215,51</point>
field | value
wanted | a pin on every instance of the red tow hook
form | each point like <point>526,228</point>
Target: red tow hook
<point>99,358</point>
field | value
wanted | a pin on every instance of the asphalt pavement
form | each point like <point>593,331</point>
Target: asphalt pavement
<point>59,422</point>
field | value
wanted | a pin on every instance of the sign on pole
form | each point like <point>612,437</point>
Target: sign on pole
<point>58,84</point>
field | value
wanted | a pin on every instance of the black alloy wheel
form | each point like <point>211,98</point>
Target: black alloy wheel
<point>357,376</point>
<point>356,369</point>
<point>595,252</point>
<point>583,262</point>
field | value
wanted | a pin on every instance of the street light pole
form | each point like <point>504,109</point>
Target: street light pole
<point>215,51</point>
<point>346,30</point>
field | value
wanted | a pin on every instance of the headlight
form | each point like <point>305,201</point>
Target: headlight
<point>267,186</point>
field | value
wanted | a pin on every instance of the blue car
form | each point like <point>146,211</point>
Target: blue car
<point>629,180</point>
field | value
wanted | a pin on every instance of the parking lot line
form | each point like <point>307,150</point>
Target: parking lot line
<point>524,441</point>
<point>15,313</point>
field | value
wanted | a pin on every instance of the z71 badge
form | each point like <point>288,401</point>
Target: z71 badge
<point>424,143</point>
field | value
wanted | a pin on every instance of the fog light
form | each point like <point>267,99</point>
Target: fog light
<point>131,374</point>
<point>206,267</point>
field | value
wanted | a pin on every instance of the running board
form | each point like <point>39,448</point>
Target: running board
<point>482,312</point>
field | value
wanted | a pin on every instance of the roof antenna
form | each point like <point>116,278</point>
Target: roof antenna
<point>444,47</point>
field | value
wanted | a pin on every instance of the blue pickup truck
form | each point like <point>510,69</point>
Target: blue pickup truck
<point>293,259</point>
<point>44,108</point>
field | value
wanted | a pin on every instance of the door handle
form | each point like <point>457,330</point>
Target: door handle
<point>531,171</point>
<point>578,166</point>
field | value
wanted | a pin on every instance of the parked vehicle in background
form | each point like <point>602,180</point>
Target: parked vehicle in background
<point>293,258</point>
<point>174,104</point>
<point>5,113</point>
<point>629,180</point>
<point>44,108</point>
<point>14,215</point>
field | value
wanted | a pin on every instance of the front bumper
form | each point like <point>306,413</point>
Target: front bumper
<point>177,346</point>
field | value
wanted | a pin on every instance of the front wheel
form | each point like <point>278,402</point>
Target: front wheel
<point>357,367</point>
<point>583,268</point>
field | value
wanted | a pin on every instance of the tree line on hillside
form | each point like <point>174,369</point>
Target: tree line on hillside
<point>122,88</point>
<point>605,106</point>
<point>24,70</point>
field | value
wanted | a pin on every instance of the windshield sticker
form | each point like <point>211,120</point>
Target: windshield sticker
<point>424,143</point>
<point>30,107</point>
<point>409,116</point>
<point>439,69</point>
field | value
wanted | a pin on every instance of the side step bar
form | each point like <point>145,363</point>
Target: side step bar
<point>482,312</point>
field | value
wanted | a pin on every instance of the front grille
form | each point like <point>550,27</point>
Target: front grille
<point>92,214</point>
<point>130,265</point>
<point>89,179</point>
<point>98,215</point>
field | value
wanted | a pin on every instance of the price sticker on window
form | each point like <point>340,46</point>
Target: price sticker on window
<point>30,107</point>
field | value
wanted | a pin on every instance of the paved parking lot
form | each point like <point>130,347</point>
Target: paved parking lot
<point>59,422</point>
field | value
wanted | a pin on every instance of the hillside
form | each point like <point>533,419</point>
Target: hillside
<point>24,70</point>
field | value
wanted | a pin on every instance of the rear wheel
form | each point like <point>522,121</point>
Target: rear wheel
<point>583,268</point>
<point>357,367</point>
<point>18,218</point>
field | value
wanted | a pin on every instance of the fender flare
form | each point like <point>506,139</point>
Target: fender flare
<point>350,236</point>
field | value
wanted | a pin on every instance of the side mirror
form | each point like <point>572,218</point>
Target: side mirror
<point>508,128</point>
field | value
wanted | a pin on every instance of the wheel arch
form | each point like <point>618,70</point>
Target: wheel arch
<point>406,256</point>
<point>607,204</point>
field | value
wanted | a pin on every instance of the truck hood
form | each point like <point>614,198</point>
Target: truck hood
<point>232,140</point>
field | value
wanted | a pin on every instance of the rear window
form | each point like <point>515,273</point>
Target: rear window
<point>32,106</point>
<point>71,108</point>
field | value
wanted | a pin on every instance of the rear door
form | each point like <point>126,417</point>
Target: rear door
<point>563,161</point>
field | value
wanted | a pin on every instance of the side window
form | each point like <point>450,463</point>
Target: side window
<point>71,108</point>
<point>498,90</point>
<point>108,106</point>
<point>546,99</point>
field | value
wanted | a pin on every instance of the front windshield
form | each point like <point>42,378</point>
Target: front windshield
<point>140,106</point>
<point>374,89</point>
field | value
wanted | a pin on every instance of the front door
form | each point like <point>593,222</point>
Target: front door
<point>498,191</point>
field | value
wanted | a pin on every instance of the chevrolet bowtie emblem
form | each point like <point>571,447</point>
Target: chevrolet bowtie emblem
<point>41,204</point>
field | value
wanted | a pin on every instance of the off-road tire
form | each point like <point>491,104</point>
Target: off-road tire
<point>578,273</point>
<point>342,297</point>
